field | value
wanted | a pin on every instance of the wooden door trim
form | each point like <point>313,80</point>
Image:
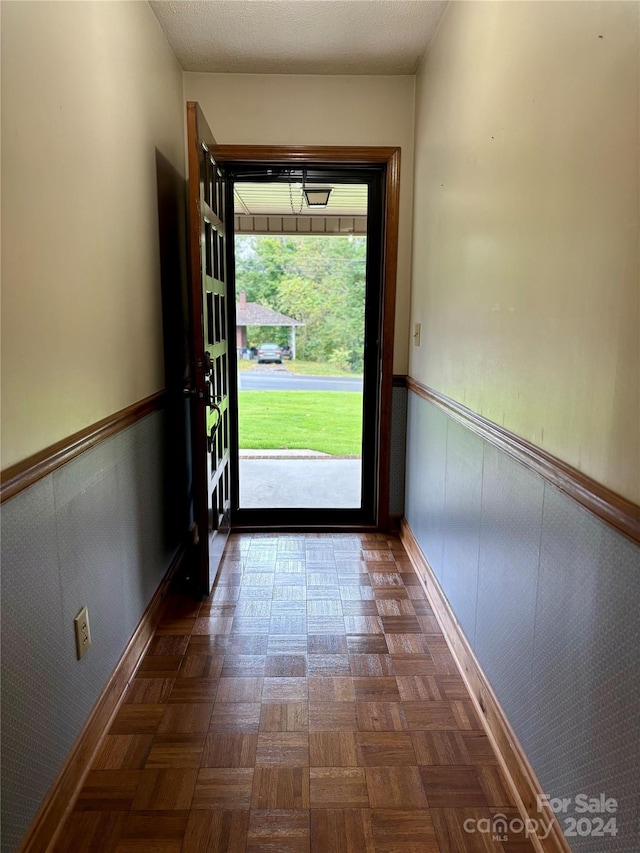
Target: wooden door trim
<point>28,471</point>
<point>358,155</point>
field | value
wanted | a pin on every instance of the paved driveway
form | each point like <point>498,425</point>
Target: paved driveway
<point>276,380</point>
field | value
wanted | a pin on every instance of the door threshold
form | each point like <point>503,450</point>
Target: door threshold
<point>305,528</point>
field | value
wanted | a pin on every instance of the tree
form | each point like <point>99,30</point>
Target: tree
<point>318,280</point>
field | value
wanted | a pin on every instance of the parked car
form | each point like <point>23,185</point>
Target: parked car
<point>269,354</point>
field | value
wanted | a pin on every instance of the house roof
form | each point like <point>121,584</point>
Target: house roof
<point>253,314</point>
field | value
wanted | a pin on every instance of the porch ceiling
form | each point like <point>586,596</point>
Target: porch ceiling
<point>281,200</point>
<point>299,36</point>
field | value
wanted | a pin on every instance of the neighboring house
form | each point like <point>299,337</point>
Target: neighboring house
<point>517,299</point>
<point>254,314</point>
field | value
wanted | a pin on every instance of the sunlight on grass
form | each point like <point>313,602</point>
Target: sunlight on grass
<point>327,421</point>
<point>317,368</point>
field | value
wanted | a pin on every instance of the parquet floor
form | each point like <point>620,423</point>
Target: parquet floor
<point>311,705</point>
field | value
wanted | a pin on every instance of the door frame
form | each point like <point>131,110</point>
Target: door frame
<point>389,157</point>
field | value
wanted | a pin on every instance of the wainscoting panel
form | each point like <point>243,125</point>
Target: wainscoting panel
<point>89,533</point>
<point>556,624</point>
<point>425,477</point>
<point>398,449</point>
<point>462,508</point>
<point>35,734</point>
<point>587,655</point>
<point>508,577</point>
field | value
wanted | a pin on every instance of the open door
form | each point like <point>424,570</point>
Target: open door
<point>209,380</point>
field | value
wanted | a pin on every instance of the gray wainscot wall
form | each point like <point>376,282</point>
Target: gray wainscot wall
<point>549,599</point>
<point>93,533</point>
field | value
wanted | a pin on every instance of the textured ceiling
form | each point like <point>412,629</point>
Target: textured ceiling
<point>299,36</point>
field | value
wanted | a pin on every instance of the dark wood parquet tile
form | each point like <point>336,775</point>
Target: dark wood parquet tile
<point>284,831</point>
<point>160,666</point>
<point>376,689</point>
<point>334,749</point>
<point>309,705</point>
<point>233,749</point>
<point>403,831</point>
<point>223,788</point>
<point>192,690</point>
<point>413,664</point>
<point>216,831</point>
<point>123,752</point>
<point>201,666</point>
<point>381,717</point>
<point>175,750</point>
<point>187,718</point>
<point>216,645</point>
<point>280,788</point>
<point>495,789</point>
<point>331,690</point>
<point>98,832</point>
<point>287,644</point>
<point>418,688</point>
<point>379,749</point>
<point>244,665</point>
<point>428,716</point>
<point>395,787</point>
<point>449,825</point>
<point>235,717</point>
<point>290,749</point>
<point>292,666</point>
<point>338,787</point>
<point>395,607</point>
<point>440,747</point>
<point>340,831</point>
<point>168,645</point>
<point>284,717</point>
<point>367,645</point>
<point>137,719</point>
<point>328,665</point>
<point>162,789</point>
<point>333,716</point>
<point>108,790</point>
<point>371,665</point>
<point>358,607</point>
<point>453,786</point>
<point>240,689</point>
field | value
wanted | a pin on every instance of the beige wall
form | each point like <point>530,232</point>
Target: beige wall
<point>89,92</point>
<point>320,110</point>
<point>525,248</point>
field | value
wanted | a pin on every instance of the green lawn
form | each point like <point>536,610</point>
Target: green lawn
<point>328,421</point>
<point>317,368</point>
<point>305,368</point>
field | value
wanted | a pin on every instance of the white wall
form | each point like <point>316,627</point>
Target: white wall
<point>90,92</point>
<point>277,109</point>
<point>525,249</point>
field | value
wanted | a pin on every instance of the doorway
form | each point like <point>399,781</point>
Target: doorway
<point>355,494</point>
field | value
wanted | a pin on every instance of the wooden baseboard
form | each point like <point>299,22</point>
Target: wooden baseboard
<point>61,797</point>
<point>520,775</point>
